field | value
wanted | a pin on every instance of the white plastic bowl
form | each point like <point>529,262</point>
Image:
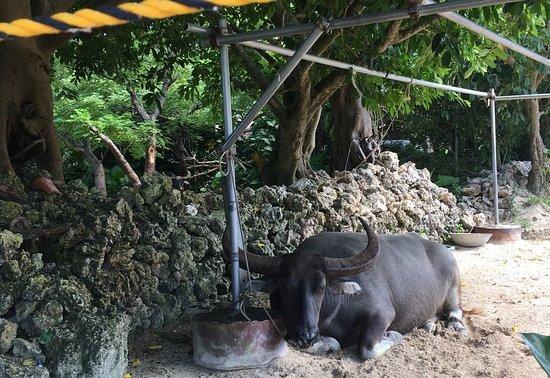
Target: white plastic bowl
<point>470,239</point>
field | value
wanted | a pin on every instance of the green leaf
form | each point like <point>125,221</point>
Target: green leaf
<point>540,347</point>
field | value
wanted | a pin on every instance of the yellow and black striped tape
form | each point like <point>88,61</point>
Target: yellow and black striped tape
<point>85,19</point>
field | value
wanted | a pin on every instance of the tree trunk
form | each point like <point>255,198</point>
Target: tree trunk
<point>26,105</point>
<point>150,161</point>
<point>352,123</point>
<point>537,180</point>
<point>287,163</point>
<point>99,171</point>
<point>121,160</point>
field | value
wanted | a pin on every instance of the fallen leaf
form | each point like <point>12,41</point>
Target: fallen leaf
<point>154,347</point>
<point>515,328</point>
<point>136,362</point>
<point>127,375</point>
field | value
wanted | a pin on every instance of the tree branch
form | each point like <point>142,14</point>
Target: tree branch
<point>138,105</point>
<point>166,84</point>
<point>86,150</point>
<point>261,80</point>
<point>121,160</point>
<point>326,88</point>
<point>394,35</point>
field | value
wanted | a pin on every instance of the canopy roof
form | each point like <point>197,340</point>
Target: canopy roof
<point>85,19</point>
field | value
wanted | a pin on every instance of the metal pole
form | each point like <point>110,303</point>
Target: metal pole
<point>346,22</point>
<point>363,70</point>
<point>478,29</point>
<point>533,96</point>
<point>283,74</point>
<point>494,148</point>
<point>230,191</point>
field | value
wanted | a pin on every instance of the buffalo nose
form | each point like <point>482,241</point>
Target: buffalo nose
<point>305,338</point>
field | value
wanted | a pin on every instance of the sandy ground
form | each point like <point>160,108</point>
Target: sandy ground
<point>511,283</point>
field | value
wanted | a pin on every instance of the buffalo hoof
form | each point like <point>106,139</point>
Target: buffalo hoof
<point>429,327</point>
<point>390,339</point>
<point>323,346</point>
<point>457,326</point>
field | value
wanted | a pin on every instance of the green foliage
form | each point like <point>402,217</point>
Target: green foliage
<point>540,347</point>
<point>538,200</point>
<point>526,224</point>
<point>115,179</point>
<point>459,228</point>
<point>450,182</point>
<point>101,103</point>
<point>94,72</point>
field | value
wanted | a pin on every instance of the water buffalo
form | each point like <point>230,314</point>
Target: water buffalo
<point>334,291</point>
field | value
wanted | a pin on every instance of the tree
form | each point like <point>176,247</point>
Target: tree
<point>399,46</point>
<point>539,176</point>
<point>26,111</point>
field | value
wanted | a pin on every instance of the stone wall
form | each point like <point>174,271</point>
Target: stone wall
<point>477,195</point>
<point>79,271</point>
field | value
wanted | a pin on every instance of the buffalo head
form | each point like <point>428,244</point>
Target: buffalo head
<point>304,279</point>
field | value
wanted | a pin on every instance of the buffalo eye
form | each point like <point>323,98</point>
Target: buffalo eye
<point>319,289</point>
<point>287,288</point>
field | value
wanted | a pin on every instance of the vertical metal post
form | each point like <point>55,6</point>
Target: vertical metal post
<point>232,216</point>
<point>282,75</point>
<point>492,101</point>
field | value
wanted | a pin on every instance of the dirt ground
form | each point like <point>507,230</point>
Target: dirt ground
<point>511,283</point>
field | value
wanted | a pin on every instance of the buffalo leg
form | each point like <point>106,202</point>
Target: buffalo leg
<point>376,339</point>
<point>454,311</point>
<point>430,326</point>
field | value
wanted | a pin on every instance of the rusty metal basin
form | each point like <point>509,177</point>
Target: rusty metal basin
<point>224,340</point>
<point>502,233</point>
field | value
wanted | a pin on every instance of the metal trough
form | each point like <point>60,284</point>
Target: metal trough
<point>224,340</point>
<point>502,233</point>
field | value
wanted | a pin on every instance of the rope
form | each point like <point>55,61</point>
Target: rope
<point>353,75</point>
<point>220,163</point>
<point>108,15</point>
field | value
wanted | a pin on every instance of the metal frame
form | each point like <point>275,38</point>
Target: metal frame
<point>478,29</point>
<point>374,18</point>
<point>492,113</point>
<point>493,117</point>
<point>250,39</point>
<point>534,96</point>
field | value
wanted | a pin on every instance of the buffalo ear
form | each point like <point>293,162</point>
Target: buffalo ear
<point>265,284</point>
<point>345,287</point>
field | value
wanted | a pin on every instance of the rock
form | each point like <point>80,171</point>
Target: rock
<point>389,160</point>
<point>13,368</point>
<point>191,210</point>
<point>480,219</point>
<point>467,221</point>
<point>45,318</point>
<point>6,301</point>
<point>8,331</point>
<point>27,350</point>
<point>472,190</point>
<point>447,198</point>
<point>91,347</point>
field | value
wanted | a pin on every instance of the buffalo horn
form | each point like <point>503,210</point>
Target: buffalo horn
<point>256,263</point>
<point>350,266</point>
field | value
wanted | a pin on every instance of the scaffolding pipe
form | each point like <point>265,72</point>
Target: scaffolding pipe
<point>363,70</point>
<point>367,19</point>
<point>494,150</point>
<point>534,96</point>
<point>283,74</point>
<point>230,191</point>
<point>478,29</point>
